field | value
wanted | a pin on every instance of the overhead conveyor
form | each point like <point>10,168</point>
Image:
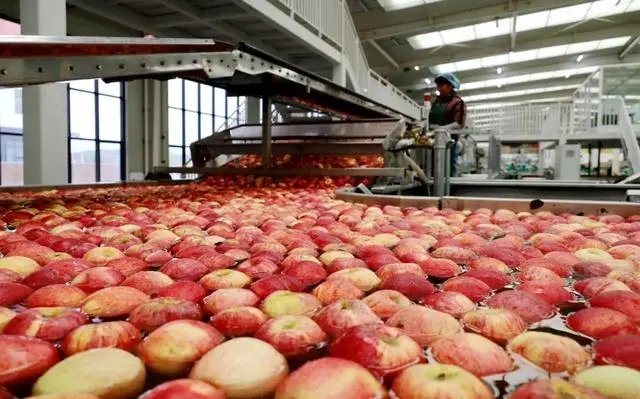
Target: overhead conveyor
<point>241,70</point>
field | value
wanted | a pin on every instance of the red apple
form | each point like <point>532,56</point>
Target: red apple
<point>111,334</point>
<point>157,312</point>
<point>620,350</point>
<point>472,288</point>
<point>472,352</point>
<point>149,282</point>
<point>626,302</point>
<point>238,322</point>
<point>459,255</point>
<point>450,302</point>
<point>184,290</point>
<point>554,388</point>
<point>424,325</point>
<point>128,265</point>
<point>410,285</point>
<point>498,325</point>
<point>56,295</point>
<point>385,303</point>
<point>228,298</point>
<point>592,269</point>
<point>551,352</point>
<point>24,359</point>
<point>598,285</point>
<point>113,302</point>
<point>441,381</point>
<point>530,307</point>
<point>383,350</point>
<point>97,278</point>
<point>292,335</point>
<point>13,293</point>
<point>337,317</point>
<point>270,284</point>
<point>184,269</point>
<point>184,389</point>
<point>601,323</point>
<point>551,292</point>
<point>494,279</point>
<point>330,378</point>
<point>334,290</point>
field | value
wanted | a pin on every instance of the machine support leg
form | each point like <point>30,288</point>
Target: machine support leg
<point>440,162</point>
<point>266,132</point>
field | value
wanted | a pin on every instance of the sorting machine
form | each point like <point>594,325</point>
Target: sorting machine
<point>355,124</point>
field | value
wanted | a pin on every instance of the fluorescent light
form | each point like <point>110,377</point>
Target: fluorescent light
<point>427,81</point>
<point>580,58</point>
<point>499,70</point>
<point>528,55</point>
<point>416,68</point>
<point>532,77</point>
<point>517,93</point>
<point>524,23</point>
<point>437,92</point>
<point>390,5</point>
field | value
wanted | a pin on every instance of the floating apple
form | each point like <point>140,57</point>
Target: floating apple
<point>554,388</point>
<point>238,322</point>
<point>611,381</point>
<point>499,325</point>
<point>24,359</point>
<point>292,335</point>
<point>472,352</point>
<point>424,325</point>
<point>553,353</point>
<point>439,381</point>
<point>111,334</point>
<point>184,389</point>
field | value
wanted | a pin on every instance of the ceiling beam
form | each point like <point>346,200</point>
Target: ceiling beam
<point>224,13</point>
<point>633,42</point>
<point>434,17</point>
<point>384,53</point>
<point>514,33</point>
<point>125,18</point>
<point>423,57</point>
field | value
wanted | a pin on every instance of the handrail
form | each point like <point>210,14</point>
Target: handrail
<point>331,20</point>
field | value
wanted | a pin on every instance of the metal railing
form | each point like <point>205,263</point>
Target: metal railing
<point>331,20</point>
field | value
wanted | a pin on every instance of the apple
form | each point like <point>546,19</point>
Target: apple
<point>172,349</point>
<point>330,378</point>
<point>184,389</point>
<point>439,381</point>
<point>626,302</point>
<point>97,278</point>
<point>424,325</point>
<point>227,298</point>
<point>535,273</point>
<point>383,350</point>
<point>113,302</point>
<point>100,256</point>
<point>498,325</point>
<point>128,265</point>
<point>333,290</point>
<point>293,336</point>
<point>216,261</point>
<point>9,276</point>
<point>611,381</point>
<point>20,264</point>
<point>592,269</point>
<point>560,269</point>
<point>157,312</point>
<point>238,322</point>
<point>554,388</point>
<point>551,292</point>
<point>601,323</point>
<point>594,286</point>
<point>328,257</point>
<point>494,279</point>
<point>184,290</point>
<point>148,281</point>
<point>345,263</point>
<point>474,289</point>
<point>258,268</point>
<point>224,278</point>
<point>184,269</point>
<point>24,359</point>
<point>111,334</point>
<point>13,293</point>
<point>270,284</point>
<point>309,273</point>
<point>232,367</point>
<point>450,302</point>
<point>550,352</point>
<point>472,352</point>
<point>109,373</point>
<point>362,278</point>
<point>393,269</point>
<point>338,316</point>
<point>50,324</point>
<point>459,255</point>
<point>6,315</point>
<point>530,307</point>
<point>440,268</point>
<point>281,303</point>
<point>385,303</point>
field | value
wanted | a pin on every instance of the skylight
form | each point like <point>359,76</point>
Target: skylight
<point>528,55</point>
<point>390,5</point>
<point>526,78</point>
<point>524,23</point>
<point>516,93</point>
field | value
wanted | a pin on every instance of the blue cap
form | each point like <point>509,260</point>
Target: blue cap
<point>451,78</point>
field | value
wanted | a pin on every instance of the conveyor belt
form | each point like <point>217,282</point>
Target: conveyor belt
<point>241,69</point>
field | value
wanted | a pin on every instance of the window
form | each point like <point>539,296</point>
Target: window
<point>196,111</point>
<point>11,142</point>
<point>96,131</point>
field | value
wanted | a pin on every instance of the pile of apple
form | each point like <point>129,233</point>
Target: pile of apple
<point>292,161</point>
<point>225,291</point>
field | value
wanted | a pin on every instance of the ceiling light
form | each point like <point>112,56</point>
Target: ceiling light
<point>499,70</point>
<point>580,58</point>
<point>416,68</point>
<point>427,81</point>
<point>437,92</point>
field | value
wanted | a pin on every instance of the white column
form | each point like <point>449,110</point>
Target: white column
<point>340,75</point>
<point>253,110</point>
<point>156,123</point>
<point>135,130</point>
<point>45,112</point>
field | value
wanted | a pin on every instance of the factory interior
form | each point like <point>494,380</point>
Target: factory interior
<point>308,199</point>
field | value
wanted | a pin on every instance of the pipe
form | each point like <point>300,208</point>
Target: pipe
<point>439,163</point>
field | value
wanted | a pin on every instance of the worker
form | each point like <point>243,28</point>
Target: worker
<point>449,111</point>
